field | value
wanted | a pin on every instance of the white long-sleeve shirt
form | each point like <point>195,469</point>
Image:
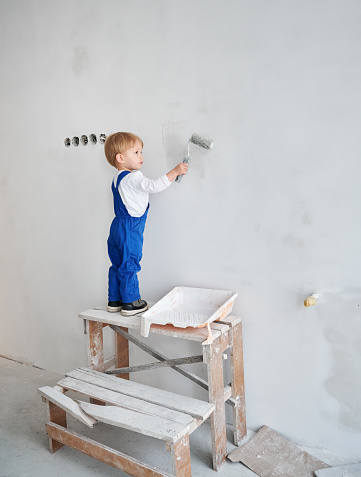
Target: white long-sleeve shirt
<point>134,190</point>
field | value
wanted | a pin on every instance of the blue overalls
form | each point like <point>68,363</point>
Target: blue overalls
<point>125,245</point>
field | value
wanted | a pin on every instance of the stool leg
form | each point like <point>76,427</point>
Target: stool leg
<point>122,353</point>
<point>95,350</point>
<point>181,457</point>
<point>238,392</point>
<point>58,416</point>
<point>95,345</point>
<point>214,359</point>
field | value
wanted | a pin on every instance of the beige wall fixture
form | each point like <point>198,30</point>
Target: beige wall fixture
<point>311,300</point>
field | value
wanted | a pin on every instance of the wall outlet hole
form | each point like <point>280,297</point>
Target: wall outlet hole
<point>84,140</point>
<point>75,141</point>
<point>67,142</point>
<point>102,138</point>
<point>93,139</point>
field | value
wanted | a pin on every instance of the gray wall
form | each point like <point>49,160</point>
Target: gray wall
<point>271,212</point>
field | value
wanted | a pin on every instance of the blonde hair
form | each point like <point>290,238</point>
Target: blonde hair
<point>118,143</point>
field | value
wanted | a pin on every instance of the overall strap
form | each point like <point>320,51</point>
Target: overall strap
<point>121,176</point>
<point>119,208</point>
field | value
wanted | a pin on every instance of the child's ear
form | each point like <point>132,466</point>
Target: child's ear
<point>119,158</point>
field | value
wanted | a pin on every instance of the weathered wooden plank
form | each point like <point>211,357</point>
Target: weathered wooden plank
<point>103,316</point>
<point>181,458</point>
<point>196,379</point>
<point>213,355</point>
<point>237,373</point>
<point>95,345</point>
<point>161,364</point>
<point>121,346</point>
<point>67,404</point>
<point>58,416</point>
<point>191,334</point>
<point>124,401</point>
<point>218,326</point>
<point>101,452</point>
<point>145,424</point>
<point>194,407</point>
<point>238,390</point>
<point>133,322</point>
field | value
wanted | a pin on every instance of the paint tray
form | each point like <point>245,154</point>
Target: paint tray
<point>186,306</point>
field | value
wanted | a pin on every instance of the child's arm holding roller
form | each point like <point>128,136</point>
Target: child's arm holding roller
<point>134,188</point>
<point>138,181</point>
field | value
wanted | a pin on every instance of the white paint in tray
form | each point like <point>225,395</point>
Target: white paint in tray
<point>187,306</point>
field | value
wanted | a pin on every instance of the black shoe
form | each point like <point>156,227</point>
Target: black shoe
<point>133,308</point>
<point>114,306</point>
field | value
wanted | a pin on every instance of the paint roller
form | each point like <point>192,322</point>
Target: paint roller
<point>198,140</point>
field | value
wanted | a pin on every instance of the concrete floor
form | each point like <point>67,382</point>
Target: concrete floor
<point>24,444</point>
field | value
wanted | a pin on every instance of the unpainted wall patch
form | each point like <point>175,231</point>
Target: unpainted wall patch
<point>293,242</point>
<point>306,219</point>
<point>80,60</point>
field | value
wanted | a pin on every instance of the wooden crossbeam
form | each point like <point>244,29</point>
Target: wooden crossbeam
<point>160,364</point>
<point>101,452</point>
<point>193,377</point>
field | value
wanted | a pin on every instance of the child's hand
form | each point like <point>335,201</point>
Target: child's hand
<point>179,170</point>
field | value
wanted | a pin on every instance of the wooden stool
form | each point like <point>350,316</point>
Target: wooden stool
<point>226,335</point>
<point>137,407</point>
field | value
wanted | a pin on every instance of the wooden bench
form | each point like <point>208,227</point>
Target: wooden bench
<point>137,407</point>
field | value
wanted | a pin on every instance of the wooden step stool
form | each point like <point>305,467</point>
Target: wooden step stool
<point>227,335</point>
<point>137,407</point>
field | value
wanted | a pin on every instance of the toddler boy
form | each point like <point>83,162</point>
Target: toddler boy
<point>131,191</point>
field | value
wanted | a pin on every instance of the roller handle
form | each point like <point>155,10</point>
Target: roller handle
<point>186,160</point>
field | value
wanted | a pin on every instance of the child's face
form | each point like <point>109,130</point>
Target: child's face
<point>132,159</point>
